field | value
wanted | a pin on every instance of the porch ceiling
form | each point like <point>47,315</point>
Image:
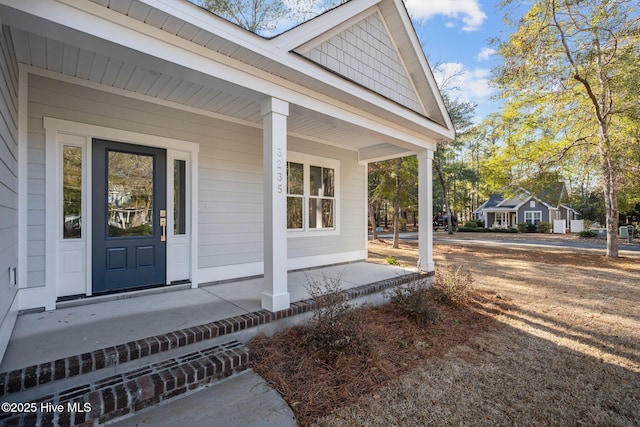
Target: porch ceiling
<point>61,51</point>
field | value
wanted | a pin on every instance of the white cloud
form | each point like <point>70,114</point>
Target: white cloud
<point>469,11</point>
<point>485,54</point>
<point>471,85</point>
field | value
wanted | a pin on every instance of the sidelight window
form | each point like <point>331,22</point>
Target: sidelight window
<point>72,192</point>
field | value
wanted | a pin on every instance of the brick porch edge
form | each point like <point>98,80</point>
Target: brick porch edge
<point>132,391</point>
<point>33,376</point>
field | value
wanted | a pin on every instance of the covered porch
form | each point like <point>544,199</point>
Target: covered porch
<point>230,111</point>
<point>502,218</point>
<point>106,324</point>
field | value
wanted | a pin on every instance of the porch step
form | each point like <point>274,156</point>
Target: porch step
<point>97,364</point>
<point>118,380</point>
<point>119,395</point>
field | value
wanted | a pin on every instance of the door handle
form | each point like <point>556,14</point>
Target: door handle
<point>163,225</point>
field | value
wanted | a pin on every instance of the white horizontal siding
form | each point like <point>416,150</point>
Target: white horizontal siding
<point>8,175</point>
<point>230,201</point>
<point>351,211</point>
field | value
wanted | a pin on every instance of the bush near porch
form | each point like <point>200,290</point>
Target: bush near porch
<point>517,354</point>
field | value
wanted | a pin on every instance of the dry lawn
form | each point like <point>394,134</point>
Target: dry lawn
<point>552,338</point>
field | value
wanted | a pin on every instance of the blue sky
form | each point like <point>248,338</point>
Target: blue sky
<point>456,34</point>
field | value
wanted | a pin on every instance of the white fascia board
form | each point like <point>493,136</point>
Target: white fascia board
<point>382,152</point>
<point>332,22</point>
<point>517,194</point>
<point>531,197</point>
<point>518,206</point>
<point>419,52</point>
<point>270,48</point>
<point>112,26</point>
<point>208,21</point>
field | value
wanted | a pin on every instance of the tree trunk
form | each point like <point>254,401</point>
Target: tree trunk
<point>372,221</point>
<point>396,207</point>
<point>611,204</point>
<point>445,197</point>
<point>610,190</point>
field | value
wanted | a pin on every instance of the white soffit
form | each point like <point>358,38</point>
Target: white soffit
<point>273,55</point>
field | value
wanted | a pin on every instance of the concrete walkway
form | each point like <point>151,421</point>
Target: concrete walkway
<point>243,400</point>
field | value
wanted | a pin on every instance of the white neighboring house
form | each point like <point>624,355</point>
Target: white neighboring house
<point>149,142</point>
<point>523,207</point>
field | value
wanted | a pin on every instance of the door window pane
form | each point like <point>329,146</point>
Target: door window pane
<point>130,198</point>
<point>179,196</point>
<point>72,192</point>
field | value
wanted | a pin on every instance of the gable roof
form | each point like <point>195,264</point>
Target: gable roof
<point>550,197</point>
<point>376,47</point>
<point>175,53</point>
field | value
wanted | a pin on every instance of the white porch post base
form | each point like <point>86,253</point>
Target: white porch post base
<point>274,118</point>
<point>275,302</point>
<point>425,211</point>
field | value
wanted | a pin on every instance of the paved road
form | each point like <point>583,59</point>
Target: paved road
<point>464,239</point>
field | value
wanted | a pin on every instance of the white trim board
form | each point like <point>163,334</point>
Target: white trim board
<point>133,34</point>
<point>55,132</point>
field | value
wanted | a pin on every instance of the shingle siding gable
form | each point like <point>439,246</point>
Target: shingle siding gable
<point>366,54</point>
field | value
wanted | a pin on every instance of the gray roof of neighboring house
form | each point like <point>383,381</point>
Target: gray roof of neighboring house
<point>493,201</point>
<point>551,196</point>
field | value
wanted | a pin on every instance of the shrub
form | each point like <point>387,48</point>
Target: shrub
<point>334,326</point>
<point>471,229</point>
<point>522,227</point>
<point>531,228</point>
<point>453,286</point>
<point>544,227</point>
<point>470,224</point>
<point>503,230</point>
<point>415,301</point>
<point>587,234</point>
<point>392,261</point>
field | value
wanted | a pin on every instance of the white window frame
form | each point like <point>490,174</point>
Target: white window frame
<point>533,217</point>
<point>308,160</point>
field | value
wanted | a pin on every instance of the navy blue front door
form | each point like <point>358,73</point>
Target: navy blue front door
<point>129,216</point>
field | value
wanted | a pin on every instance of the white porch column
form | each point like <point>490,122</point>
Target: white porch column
<point>274,119</point>
<point>425,211</point>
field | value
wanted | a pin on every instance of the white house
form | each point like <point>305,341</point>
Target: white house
<point>149,142</point>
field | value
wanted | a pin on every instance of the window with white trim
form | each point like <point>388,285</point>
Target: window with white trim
<point>532,217</point>
<point>312,184</point>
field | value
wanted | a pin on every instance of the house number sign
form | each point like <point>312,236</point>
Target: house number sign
<point>279,170</point>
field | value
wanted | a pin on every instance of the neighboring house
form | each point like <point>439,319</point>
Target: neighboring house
<point>149,142</point>
<point>523,207</point>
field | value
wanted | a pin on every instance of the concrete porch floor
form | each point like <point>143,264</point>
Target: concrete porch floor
<point>85,325</point>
